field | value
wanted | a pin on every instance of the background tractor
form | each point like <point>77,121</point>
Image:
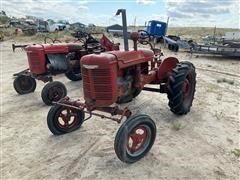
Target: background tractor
<point>115,77</point>
<point>46,60</point>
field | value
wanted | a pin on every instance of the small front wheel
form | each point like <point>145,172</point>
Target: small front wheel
<point>135,138</point>
<point>24,84</point>
<point>62,119</point>
<point>53,91</point>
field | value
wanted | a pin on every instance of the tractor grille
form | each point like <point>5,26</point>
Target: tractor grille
<point>97,84</point>
<point>35,60</point>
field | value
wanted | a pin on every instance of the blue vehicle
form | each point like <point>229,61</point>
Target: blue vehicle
<point>156,31</point>
<point>156,28</point>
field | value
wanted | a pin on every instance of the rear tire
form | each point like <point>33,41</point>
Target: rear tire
<point>24,84</point>
<point>53,91</point>
<point>61,119</point>
<point>73,76</point>
<point>181,88</point>
<point>135,138</point>
<point>128,98</point>
<point>136,92</point>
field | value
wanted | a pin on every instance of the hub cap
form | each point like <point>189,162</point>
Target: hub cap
<point>66,118</point>
<point>25,83</point>
<point>55,93</point>
<point>138,140</point>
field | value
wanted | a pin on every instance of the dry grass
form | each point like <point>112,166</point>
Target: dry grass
<point>176,125</point>
<point>224,80</point>
<point>236,152</point>
<point>195,33</point>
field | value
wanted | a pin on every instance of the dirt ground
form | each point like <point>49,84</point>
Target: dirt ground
<point>200,145</point>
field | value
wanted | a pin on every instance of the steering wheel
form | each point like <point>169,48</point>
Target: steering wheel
<point>81,36</point>
<point>144,37</point>
<point>53,40</point>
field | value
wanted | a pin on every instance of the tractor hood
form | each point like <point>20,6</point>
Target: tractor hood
<point>54,48</point>
<point>130,58</point>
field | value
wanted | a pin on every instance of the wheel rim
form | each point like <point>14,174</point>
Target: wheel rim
<point>138,140</point>
<point>187,89</point>
<point>66,118</point>
<point>25,83</point>
<point>55,93</point>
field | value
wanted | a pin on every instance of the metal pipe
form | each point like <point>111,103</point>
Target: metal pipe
<point>124,24</point>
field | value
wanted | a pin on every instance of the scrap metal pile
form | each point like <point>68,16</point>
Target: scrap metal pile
<point>229,45</point>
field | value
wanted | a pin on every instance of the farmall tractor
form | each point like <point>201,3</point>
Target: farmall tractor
<point>114,77</point>
<point>47,60</point>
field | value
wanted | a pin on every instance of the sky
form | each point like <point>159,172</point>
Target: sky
<point>203,13</point>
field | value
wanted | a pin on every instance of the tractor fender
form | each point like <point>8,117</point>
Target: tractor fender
<point>166,68</point>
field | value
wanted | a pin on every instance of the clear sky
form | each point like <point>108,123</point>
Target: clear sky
<point>222,13</point>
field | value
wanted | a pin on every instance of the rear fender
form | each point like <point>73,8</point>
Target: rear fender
<point>108,45</point>
<point>166,68</point>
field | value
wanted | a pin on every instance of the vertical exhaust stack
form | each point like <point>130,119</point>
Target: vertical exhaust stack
<point>124,24</point>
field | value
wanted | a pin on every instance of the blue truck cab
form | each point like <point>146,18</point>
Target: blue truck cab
<point>156,28</point>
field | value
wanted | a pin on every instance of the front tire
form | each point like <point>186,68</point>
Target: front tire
<point>62,119</point>
<point>53,91</point>
<point>24,84</point>
<point>135,138</point>
<point>181,88</point>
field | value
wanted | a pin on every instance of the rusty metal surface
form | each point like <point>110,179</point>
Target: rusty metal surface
<point>89,109</point>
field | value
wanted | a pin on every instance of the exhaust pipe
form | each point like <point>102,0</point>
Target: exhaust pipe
<point>124,24</point>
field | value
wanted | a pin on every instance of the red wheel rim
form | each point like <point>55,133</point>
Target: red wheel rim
<point>66,118</point>
<point>137,138</point>
<point>187,89</point>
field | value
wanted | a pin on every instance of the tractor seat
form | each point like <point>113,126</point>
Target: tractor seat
<point>74,47</point>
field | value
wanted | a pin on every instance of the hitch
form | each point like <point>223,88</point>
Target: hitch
<point>18,46</point>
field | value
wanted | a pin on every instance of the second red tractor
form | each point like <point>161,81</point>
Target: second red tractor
<point>47,60</point>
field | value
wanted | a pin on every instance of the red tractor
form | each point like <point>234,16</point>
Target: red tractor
<point>118,77</point>
<point>46,60</point>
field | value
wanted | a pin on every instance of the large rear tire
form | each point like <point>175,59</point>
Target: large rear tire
<point>24,84</point>
<point>135,138</point>
<point>181,88</point>
<point>73,76</point>
<point>61,119</point>
<point>128,98</point>
<point>53,91</point>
